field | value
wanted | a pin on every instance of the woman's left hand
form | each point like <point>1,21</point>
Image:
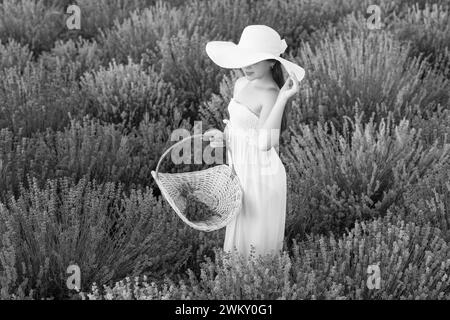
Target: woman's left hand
<point>286,92</point>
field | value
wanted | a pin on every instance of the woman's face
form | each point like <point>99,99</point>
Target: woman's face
<point>257,70</point>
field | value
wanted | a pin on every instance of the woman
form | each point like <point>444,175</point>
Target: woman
<point>257,113</point>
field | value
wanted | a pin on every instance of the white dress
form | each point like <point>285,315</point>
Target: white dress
<point>261,221</point>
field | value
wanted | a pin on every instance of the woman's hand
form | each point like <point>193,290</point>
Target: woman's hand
<point>285,92</point>
<point>215,137</point>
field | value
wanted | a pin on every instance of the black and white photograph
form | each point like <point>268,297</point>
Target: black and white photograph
<point>225,155</point>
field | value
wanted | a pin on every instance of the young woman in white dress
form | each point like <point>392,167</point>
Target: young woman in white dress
<point>257,116</point>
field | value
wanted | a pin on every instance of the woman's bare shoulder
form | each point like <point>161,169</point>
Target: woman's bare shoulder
<point>269,96</point>
<point>238,84</point>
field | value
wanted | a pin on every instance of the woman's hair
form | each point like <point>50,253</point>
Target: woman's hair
<point>277,75</point>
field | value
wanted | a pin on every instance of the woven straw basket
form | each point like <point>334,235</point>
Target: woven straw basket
<point>217,187</point>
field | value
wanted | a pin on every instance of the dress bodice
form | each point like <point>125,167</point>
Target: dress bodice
<point>241,116</point>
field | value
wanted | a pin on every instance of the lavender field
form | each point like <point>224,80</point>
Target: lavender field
<point>86,113</point>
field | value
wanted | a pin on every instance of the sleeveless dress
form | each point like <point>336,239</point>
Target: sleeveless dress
<point>262,175</point>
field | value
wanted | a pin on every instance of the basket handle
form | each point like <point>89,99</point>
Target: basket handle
<point>180,142</point>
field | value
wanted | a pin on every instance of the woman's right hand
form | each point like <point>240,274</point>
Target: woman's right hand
<point>215,137</point>
<point>287,92</point>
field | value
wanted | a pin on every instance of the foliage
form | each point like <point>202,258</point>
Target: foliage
<point>122,94</point>
<point>369,73</point>
<point>34,99</point>
<point>31,22</point>
<point>414,262</point>
<point>428,201</point>
<point>12,54</point>
<point>86,114</point>
<point>426,29</point>
<point>77,56</point>
<point>85,148</point>
<point>107,232</point>
<point>336,178</point>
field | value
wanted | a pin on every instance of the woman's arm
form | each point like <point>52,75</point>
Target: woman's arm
<point>269,123</point>
<point>216,136</point>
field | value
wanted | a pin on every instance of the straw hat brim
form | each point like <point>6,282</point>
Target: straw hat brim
<point>227,54</point>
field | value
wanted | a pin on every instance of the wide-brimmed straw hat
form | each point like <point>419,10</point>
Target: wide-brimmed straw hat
<point>257,43</point>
